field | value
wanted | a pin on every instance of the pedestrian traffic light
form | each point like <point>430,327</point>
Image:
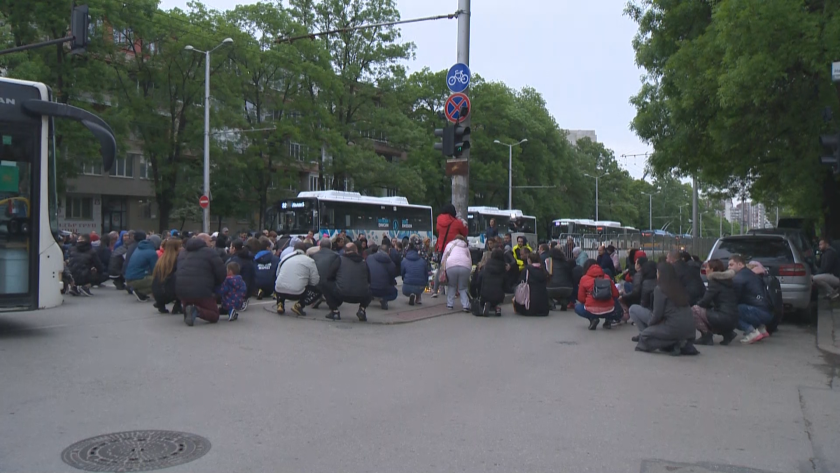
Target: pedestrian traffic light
<point>461,139</point>
<point>447,144</point>
<point>79,25</point>
<point>831,151</point>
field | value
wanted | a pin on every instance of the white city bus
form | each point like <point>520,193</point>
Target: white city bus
<point>478,219</point>
<point>31,261</point>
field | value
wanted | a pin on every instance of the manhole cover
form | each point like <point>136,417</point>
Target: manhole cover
<point>140,450</point>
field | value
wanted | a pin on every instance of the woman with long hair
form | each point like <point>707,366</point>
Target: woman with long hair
<point>163,277</point>
<point>671,326</point>
<point>535,275</point>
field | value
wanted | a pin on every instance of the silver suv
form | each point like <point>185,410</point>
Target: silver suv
<point>780,256</point>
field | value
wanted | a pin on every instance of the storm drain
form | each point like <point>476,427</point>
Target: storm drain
<point>139,450</point>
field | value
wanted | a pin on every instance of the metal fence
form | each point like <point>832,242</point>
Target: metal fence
<point>653,245</point>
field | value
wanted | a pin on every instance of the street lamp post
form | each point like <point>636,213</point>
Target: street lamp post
<point>650,209</point>
<point>681,207</point>
<point>597,178</point>
<point>510,168</point>
<point>206,224</point>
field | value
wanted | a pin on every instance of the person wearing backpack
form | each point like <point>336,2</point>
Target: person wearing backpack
<point>597,296</point>
<point>717,312</point>
<point>536,277</point>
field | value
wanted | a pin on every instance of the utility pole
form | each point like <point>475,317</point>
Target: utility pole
<point>695,211</point>
<point>461,181</point>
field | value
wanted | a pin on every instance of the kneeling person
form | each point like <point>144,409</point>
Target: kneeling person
<point>352,284</point>
<point>297,279</point>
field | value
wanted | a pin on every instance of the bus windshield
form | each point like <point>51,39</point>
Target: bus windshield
<point>291,216</point>
<point>17,152</point>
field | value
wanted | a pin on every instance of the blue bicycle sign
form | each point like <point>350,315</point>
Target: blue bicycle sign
<point>458,77</point>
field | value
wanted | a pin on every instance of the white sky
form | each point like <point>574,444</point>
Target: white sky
<point>577,54</point>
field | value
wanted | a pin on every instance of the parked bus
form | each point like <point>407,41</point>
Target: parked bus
<point>329,212</point>
<point>507,221</point>
<point>31,261</point>
<point>589,234</point>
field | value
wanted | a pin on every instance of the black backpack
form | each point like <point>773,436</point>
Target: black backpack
<point>773,295</point>
<point>602,289</point>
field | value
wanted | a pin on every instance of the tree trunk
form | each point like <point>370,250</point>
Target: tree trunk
<point>263,206</point>
<point>831,206</point>
<point>164,202</point>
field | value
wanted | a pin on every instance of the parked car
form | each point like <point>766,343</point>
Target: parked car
<point>781,257</point>
<point>797,237</point>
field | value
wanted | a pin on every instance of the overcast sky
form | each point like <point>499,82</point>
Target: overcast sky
<point>577,54</point>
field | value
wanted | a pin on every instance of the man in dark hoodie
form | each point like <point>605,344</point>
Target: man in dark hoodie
<point>327,262</point>
<point>138,269</point>
<point>104,255</point>
<point>383,272</point>
<point>84,266</point>
<point>243,257</point>
<point>414,272</point>
<point>265,270</point>
<point>352,281</point>
<point>199,272</point>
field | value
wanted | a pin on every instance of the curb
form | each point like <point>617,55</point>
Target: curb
<point>826,328</point>
<point>407,316</point>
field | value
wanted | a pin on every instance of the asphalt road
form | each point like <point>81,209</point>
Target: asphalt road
<point>450,394</point>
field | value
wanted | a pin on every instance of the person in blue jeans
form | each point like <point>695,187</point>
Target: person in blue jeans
<point>415,272</point>
<point>753,308</point>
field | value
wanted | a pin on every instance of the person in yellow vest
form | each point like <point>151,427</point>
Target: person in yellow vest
<point>521,243</point>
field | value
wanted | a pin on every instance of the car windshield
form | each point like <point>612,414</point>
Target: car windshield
<point>769,251</point>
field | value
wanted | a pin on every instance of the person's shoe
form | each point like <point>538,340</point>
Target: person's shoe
<point>177,309</point>
<point>129,290</point>
<point>85,291</point>
<point>412,298</point>
<point>318,302</point>
<point>361,315</point>
<point>564,308</point>
<point>485,311</point>
<point>233,315</point>
<point>419,300</point>
<point>689,350</point>
<point>73,291</point>
<point>635,338</point>
<point>383,304</point>
<point>705,339</point>
<point>190,313</point>
<point>141,297</point>
<point>281,307</point>
<point>298,309</point>
<point>676,350</point>
<point>162,309</point>
<point>466,309</point>
<point>752,337</point>
<point>450,307</point>
<point>334,315</point>
<point>259,294</point>
<point>593,324</point>
<point>728,337</point>
<point>763,330</point>
<point>498,311</point>
<point>119,285</point>
<point>607,324</point>
<point>244,306</point>
<point>639,349</point>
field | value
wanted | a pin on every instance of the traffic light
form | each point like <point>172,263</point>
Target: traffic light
<point>447,144</point>
<point>79,25</point>
<point>461,139</point>
<point>831,151</point>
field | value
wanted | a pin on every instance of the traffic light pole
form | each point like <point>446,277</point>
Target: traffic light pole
<point>461,181</point>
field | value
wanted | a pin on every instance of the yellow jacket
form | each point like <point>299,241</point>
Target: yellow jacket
<point>519,262</point>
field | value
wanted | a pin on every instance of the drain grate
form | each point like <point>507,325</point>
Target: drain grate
<point>139,450</point>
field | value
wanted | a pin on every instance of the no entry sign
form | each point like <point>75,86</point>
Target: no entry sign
<point>204,202</point>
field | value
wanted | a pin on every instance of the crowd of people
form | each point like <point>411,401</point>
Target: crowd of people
<point>206,276</point>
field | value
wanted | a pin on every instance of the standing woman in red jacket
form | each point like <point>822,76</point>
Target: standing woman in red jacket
<point>448,227</point>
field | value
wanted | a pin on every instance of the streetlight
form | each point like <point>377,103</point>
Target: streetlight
<point>510,168</point>
<point>650,215</point>
<point>597,178</point>
<point>681,207</point>
<point>189,47</point>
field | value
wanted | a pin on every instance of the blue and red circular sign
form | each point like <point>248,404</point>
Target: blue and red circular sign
<point>453,106</point>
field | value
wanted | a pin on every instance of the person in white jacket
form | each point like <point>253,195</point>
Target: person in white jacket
<point>458,264</point>
<point>297,279</point>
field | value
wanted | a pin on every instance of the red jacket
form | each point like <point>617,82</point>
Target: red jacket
<point>587,284</point>
<point>455,226</point>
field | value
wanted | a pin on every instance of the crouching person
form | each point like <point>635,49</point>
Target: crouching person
<point>352,284</point>
<point>200,271</point>
<point>297,280</point>
<point>671,326</point>
<point>234,292</point>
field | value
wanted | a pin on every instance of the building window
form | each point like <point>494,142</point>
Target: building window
<point>148,209</point>
<point>92,169</point>
<point>121,36</point>
<point>124,167</point>
<point>295,151</point>
<point>390,192</point>
<point>145,168</point>
<point>313,182</point>
<point>79,208</point>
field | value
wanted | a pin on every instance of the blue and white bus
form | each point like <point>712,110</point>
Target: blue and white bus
<point>478,219</point>
<point>329,212</point>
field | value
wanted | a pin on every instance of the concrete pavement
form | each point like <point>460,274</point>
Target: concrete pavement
<point>454,393</point>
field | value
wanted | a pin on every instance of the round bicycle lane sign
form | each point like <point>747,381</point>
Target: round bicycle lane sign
<point>453,107</point>
<point>458,77</point>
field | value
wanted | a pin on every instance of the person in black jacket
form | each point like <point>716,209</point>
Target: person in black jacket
<point>327,262</point>
<point>828,275</point>
<point>688,272</point>
<point>717,312</point>
<point>512,275</point>
<point>635,295</point>
<point>491,283</point>
<point>103,252</point>
<point>84,266</point>
<point>243,257</point>
<point>163,277</point>
<point>352,282</point>
<point>605,262</point>
<point>199,272</point>
<point>265,270</point>
<point>753,309</point>
<point>383,272</point>
<point>641,309</point>
<point>536,276</point>
<point>561,278</point>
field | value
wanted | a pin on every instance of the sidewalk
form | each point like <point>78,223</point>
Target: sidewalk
<point>399,312</point>
<point>828,327</point>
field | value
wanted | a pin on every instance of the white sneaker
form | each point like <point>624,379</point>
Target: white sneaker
<point>752,337</point>
<point>763,330</point>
